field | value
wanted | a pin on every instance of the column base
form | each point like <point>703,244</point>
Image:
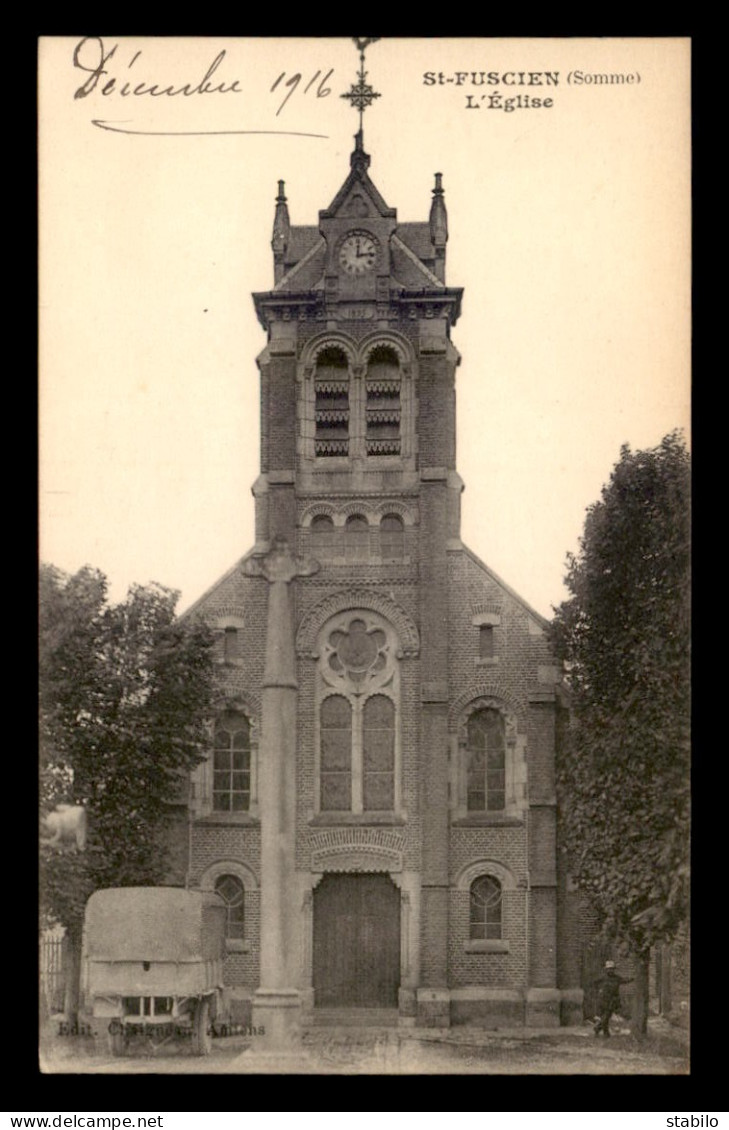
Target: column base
<point>276,1016</point>
<point>433,1008</point>
<point>306,996</point>
<point>407,1008</point>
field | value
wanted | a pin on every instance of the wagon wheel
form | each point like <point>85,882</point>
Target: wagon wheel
<point>202,1040</point>
<point>117,1039</point>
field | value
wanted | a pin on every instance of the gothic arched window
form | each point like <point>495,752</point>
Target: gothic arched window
<point>485,909</point>
<point>331,403</point>
<point>232,892</point>
<point>232,763</point>
<point>485,762</point>
<point>383,402</point>
<point>378,754</point>
<point>358,723</point>
<point>336,754</point>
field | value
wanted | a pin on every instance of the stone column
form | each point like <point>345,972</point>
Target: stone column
<point>276,1003</point>
<point>433,995</point>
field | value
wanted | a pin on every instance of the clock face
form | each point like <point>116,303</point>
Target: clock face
<point>358,253</point>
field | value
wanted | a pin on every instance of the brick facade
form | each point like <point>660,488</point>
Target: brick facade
<point>429,606</point>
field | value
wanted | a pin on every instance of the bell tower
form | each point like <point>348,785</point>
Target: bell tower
<point>358,462</point>
<point>357,378</point>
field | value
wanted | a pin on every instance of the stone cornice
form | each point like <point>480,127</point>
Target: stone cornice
<point>398,305</point>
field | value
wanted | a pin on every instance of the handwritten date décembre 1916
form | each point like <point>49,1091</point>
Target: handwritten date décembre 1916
<point>91,56</point>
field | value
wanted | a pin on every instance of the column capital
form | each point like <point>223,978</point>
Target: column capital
<point>279,564</point>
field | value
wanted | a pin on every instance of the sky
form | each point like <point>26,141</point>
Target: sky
<point>568,230</point>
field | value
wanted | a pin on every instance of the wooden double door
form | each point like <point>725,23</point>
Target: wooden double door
<point>356,942</point>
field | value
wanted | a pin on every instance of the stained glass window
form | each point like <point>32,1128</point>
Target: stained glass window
<point>378,731</point>
<point>336,754</point>
<point>485,764</point>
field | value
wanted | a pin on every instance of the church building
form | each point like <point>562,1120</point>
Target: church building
<point>378,807</point>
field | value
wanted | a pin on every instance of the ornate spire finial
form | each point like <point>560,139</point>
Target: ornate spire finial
<point>281,232</point>
<point>360,94</point>
<point>439,226</point>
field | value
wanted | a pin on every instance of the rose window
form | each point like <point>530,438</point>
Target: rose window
<point>357,653</point>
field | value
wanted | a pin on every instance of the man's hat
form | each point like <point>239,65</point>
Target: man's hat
<point>609,964</point>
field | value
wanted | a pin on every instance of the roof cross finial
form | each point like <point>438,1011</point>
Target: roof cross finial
<point>360,94</point>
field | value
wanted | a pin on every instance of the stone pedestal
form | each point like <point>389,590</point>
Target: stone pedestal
<point>433,1009</point>
<point>542,1008</point>
<point>571,1006</point>
<point>407,1008</point>
<point>276,1017</point>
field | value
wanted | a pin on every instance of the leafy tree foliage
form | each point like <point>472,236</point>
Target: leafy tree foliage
<point>125,692</point>
<point>624,637</point>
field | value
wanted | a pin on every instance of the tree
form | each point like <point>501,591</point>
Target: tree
<point>125,695</point>
<point>624,769</point>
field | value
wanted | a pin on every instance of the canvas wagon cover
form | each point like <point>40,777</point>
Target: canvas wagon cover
<point>155,924</point>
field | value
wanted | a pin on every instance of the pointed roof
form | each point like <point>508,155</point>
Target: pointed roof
<point>409,269</point>
<point>302,254</point>
<point>358,177</point>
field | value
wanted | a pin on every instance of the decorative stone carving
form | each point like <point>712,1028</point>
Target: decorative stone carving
<point>492,693</point>
<point>485,867</point>
<point>344,841</point>
<point>357,655</point>
<point>363,857</point>
<point>240,702</point>
<point>328,340</point>
<point>351,599</point>
<point>242,871</point>
<point>279,567</point>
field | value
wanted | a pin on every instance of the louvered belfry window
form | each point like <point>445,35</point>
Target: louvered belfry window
<point>383,409</point>
<point>331,407</point>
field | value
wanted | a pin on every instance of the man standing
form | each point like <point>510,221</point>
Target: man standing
<point>608,997</point>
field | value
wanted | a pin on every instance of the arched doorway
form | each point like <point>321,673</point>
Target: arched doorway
<point>356,942</point>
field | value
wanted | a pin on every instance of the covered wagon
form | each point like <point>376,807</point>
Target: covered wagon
<point>154,963</point>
